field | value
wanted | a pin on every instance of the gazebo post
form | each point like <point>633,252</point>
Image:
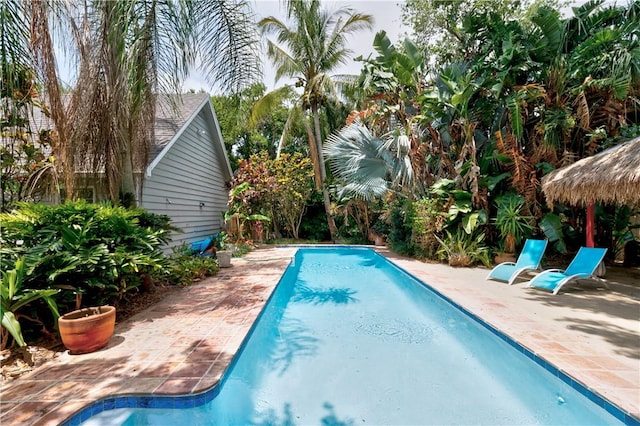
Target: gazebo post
<point>591,216</point>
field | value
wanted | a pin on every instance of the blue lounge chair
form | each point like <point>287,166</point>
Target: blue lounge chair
<point>529,260</point>
<point>199,248</point>
<point>583,266</point>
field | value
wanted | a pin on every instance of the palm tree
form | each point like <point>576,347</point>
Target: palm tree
<point>369,166</point>
<point>127,54</point>
<point>308,51</point>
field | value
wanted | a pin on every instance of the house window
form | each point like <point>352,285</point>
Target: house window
<point>86,193</point>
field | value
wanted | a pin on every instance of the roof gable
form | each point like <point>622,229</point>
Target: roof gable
<point>171,123</point>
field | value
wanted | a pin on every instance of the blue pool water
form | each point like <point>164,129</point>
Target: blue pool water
<point>348,338</point>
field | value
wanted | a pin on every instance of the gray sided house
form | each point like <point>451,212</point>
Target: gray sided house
<point>188,173</point>
<point>188,170</point>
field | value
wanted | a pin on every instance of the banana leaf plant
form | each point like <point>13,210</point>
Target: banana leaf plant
<point>551,226</point>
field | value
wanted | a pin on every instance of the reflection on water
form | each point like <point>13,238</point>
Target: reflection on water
<point>337,295</point>
<point>294,340</point>
<point>270,417</point>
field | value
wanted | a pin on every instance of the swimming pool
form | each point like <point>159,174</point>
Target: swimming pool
<point>349,338</point>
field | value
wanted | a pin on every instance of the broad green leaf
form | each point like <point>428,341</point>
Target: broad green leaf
<point>548,20</point>
<point>495,180</point>
<point>551,226</point>
<point>12,325</point>
<point>471,221</point>
<point>32,296</point>
<point>515,111</point>
<point>460,195</point>
<point>383,45</point>
<point>441,186</point>
<point>413,52</point>
<point>460,206</point>
<point>560,246</point>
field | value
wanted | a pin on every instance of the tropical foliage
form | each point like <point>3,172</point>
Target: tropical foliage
<point>27,166</point>
<point>14,296</point>
<point>438,25</point>
<point>309,50</point>
<point>275,191</point>
<point>526,97</point>
<point>98,252</point>
<point>266,133</point>
<point>184,267</point>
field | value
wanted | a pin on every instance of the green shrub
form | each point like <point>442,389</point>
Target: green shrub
<point>183,267</point>
<point>97,251</point>
<point>512,222</point>
<point>429,221</point>
<point>241,249</point>
<point>401,220</point>
<point>314,222</point>
<point>14,296</point>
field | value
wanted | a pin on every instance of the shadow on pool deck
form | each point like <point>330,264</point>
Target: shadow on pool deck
<point>184,344</point>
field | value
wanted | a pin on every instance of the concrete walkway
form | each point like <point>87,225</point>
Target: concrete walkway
<point>184,343</point>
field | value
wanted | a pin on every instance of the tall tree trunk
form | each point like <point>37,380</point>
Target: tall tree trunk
<point>46,64</point>
<point>313,151</point>
<point>127,181</point>
<point>333,230</point>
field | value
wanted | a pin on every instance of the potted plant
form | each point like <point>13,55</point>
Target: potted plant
<point>512,223</point>
<point>87,330</point>
<point>379,231</point>
<point>501,255</point>
<point>91,253</point>
<point>223,252</point>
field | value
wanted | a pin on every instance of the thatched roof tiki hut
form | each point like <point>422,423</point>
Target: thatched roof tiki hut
<point>611,176</point>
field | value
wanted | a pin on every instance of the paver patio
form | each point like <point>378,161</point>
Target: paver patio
<point>184,343</point>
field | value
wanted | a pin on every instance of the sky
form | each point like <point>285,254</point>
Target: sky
<point>386,14</point>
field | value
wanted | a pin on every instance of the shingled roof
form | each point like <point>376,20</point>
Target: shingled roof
<point>169,121</point>
<point>172,113</point>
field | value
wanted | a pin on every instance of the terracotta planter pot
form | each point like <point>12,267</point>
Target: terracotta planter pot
<point>87,330</point>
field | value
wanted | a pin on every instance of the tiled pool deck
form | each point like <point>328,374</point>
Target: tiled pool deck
<point>184,343</point>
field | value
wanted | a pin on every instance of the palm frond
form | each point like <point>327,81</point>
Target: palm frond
<point>228,42</point>
<point>366,163</point>
<point>286,65</point>
<point>14,36</point>
<point>263,106</point>
<point>582,110</point>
